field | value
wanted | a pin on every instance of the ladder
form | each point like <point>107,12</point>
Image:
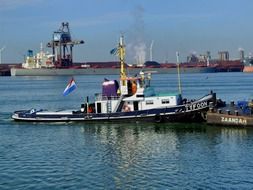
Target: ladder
<point>119,105</point>
<point>109,106</point>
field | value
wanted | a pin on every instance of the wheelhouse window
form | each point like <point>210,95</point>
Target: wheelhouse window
<point>165,101</point>
<point>149,102</point>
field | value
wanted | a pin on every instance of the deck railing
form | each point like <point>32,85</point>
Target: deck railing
<point>100,97</point>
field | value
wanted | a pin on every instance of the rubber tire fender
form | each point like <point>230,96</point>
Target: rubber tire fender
<point>158,118</point>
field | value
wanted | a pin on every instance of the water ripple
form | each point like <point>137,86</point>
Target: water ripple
<point>121,156</point>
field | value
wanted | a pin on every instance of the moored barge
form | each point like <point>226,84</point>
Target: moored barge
<point>240,114</point>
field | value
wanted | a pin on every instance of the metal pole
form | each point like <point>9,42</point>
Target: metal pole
<point>178,74</point>
<point>1,50</point>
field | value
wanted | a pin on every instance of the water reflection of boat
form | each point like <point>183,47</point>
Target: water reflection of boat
<point>133,98</point>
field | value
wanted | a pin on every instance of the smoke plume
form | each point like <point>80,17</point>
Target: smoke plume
<point>137,47</point>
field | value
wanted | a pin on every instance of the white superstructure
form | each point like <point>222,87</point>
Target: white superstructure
<point>40,60</point>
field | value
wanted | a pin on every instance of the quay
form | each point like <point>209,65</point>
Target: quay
<point>5,69</point>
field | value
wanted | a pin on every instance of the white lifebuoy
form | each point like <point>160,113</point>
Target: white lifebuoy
<point>126,108</point>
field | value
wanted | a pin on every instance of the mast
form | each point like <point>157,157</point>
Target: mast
<point>178,74</point>
<point>123,77</point>
<point>122,59</point>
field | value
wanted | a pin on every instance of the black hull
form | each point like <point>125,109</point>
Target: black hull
<point>189,112</point>
<point>196,116</point>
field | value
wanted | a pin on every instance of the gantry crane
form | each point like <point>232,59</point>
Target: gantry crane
<point>62,46</point>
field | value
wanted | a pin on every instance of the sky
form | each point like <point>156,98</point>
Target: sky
<point>186,26</point>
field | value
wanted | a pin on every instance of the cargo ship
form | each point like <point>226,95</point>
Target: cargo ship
<point>60,61</point>
<point>101,71</point>
<point>228,65</point>
<point>248,65</point>
<point>106,68</point>
<point>248,69</point>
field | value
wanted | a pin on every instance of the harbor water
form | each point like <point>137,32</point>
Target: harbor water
<point>121,155</point>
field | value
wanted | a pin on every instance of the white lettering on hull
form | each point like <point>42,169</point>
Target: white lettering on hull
<point>232,120</point>
<point>196,106</point>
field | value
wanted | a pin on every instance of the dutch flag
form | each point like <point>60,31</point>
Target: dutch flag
<point>114,51</point>
<point>70,87</point>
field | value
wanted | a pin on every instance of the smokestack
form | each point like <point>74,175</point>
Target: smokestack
<point>241,52</point>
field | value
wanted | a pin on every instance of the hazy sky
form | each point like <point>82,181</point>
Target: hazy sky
<point>175,25</point>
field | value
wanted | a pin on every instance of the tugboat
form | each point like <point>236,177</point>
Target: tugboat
<point>240,114</point>
<point>130,99</point>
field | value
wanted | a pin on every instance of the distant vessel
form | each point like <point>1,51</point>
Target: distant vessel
<point>228,65</point>
<point>42,64</point>
<point>248,65</point>
<point>248,69</point>
<point>104,70</point>
<point>132,98</point>
<point>60,62</point>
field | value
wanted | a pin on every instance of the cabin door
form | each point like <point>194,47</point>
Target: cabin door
<point>98,107</point>
<point>136,106</point>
